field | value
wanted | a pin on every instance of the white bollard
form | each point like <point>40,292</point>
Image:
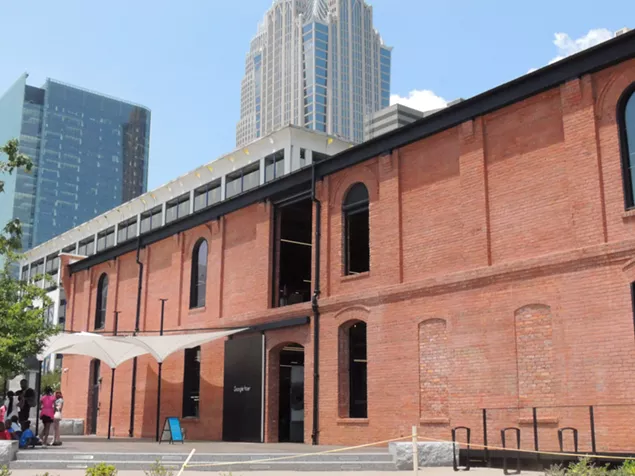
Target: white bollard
<point>415,451</point>
<point>187,460</point>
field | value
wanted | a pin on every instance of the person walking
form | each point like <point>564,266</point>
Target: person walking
<point>57,418</point>
<point>47,413</point>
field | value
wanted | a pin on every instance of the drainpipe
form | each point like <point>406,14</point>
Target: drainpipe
<point>316,311</point>
<point>136,329</point>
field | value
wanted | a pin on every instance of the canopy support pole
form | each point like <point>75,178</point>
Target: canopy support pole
<point>112,381</point>
<point>159,374</point>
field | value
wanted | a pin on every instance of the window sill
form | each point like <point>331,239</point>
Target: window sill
<point>191,419</point>
<point>355,277</point>
<point>353,421</point>
<point>630,213</point>
<point>197,310</point>
<point>435,421</point>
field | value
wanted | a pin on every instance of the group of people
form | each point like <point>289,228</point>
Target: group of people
<point>15,411</point>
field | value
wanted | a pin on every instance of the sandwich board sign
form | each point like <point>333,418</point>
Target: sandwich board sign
<point>172,431</point>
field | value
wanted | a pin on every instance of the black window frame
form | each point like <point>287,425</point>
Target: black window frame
<point>207,190</point>
<point>86,243</point>
<point>240,175</point>
<point>106,239</point>
<point>351,207</point>
<point>101,302</point>
<point>70,249</point>
<point>274,162</point>
<point>127,230</point>
<point>191,383</point>
<point>155,219</point>
<point>626,163</point>
<point>178,205</point>
<point>198,279</point>
<point>358,371</point>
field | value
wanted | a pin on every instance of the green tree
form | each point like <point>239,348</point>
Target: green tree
<point>23,325</point>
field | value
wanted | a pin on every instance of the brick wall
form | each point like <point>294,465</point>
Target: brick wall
<point>500,265</point>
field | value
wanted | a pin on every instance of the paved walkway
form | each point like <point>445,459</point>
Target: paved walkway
<point>127,445</point>
<point>422,472</point>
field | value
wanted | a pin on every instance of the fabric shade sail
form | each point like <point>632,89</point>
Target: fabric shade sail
<point>160,347</point>
<point>112,353</point>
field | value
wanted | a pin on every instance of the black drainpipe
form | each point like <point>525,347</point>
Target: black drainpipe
<point>316,311</point>
<point>136,328</point>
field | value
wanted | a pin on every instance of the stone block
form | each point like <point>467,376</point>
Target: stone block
<point>431,454</point>
<point>72,427</point>
<point>8,449</point>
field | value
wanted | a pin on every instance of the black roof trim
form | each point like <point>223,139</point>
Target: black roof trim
<point>599,57</point>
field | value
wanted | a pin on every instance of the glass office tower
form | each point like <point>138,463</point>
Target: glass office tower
<point>90,154</point>
<point>314,63</point>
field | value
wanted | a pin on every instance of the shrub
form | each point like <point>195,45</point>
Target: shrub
<point>4,471</point>
<point>102,469</point>
<point>157,469</point>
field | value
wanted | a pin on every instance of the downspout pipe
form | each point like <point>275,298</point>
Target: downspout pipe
<point>316,310</point>
<point>136,329</point>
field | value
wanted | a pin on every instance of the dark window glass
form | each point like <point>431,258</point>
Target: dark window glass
<point>191,382</point>
<point>628,151</point>
<point>101,302</point>
<point>356,230</point>
<point>358,371</point>
<point>151,220</point>
<point>198,279</point>
<point>61,316</point>
<point>86,247</point>
<point>127,230</point>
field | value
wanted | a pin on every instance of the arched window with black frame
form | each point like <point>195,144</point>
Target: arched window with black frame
<point>101,301</point>
<point>356,230</point>
<point>626,122</point>
<point>198,280</point>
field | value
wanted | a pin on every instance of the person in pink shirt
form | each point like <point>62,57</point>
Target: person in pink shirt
<point>47,413</point>
<point>3,412</point>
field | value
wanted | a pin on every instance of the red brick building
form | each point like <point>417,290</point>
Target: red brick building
<point>480,258</point>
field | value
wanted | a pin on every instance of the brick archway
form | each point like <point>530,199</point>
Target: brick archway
<point>275,366</point>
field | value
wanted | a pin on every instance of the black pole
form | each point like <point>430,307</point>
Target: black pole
<point>534,412</point>
<point>485,436</point>
<point>112,380</point>
<point>136,328</point>
<point>592,422</point>
<point>316,312</point>
<point>38,391</point>
<point>159,373</point>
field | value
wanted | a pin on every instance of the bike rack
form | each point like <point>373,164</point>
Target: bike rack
<point>575,438</point>
<point>517,431</point>
<point>455,459</point>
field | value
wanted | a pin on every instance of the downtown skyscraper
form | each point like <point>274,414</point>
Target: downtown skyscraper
<point>89,153</point>
<point>319,64</point>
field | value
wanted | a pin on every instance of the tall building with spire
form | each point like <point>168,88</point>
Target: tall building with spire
<point>319,64</point>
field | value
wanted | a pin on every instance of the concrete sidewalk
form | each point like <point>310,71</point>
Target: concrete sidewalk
<point>421,472</point>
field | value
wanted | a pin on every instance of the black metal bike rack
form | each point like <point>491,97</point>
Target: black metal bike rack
<point>575,438</point>
<point>455,456</point>
<point>517,431</point>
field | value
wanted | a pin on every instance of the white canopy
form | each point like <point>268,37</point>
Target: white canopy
<point>112,353</point>
<point>162,346</point>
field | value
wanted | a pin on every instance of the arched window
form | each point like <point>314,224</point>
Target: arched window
<point>356,230</point>
<point>626,120</point>
<point>198,280</point>
<point>102,301</point>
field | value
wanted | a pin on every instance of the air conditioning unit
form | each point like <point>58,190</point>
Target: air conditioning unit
<point>621,31</point>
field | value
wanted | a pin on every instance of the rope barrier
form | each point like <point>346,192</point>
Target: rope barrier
<point>403,438</point>
<point>281,458</point>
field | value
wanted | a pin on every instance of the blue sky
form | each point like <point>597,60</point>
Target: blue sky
<point>185,59</point>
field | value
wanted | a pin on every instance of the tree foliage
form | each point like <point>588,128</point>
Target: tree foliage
<point>23,304</point>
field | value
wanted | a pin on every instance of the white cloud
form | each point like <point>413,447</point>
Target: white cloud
<point>566,46</point>
<point>420,99</point>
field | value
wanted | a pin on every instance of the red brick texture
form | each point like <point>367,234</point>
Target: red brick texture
<point>501,258</point>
